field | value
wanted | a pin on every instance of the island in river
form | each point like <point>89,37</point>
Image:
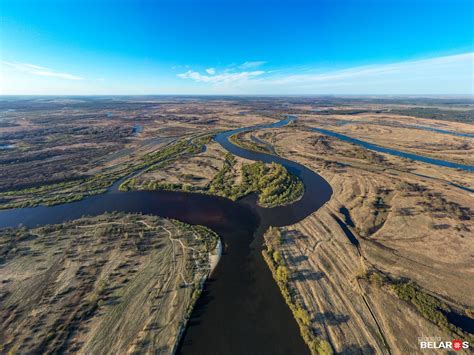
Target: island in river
<point>330,278</point>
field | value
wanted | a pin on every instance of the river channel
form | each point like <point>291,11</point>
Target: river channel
<point>240,310</point>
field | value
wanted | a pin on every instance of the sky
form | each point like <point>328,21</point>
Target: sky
<point>261,47</point>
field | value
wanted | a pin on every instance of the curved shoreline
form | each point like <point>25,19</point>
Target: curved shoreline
<point>378,148</point>
<point>240,286</point>
<point>414,126</point>
<point>215,256</point>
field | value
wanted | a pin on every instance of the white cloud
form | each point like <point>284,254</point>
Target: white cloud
<point>39,71</point>
<point>226,77</point>
<point>251,65</point>
<point>406,70</point>
<point>439,75</point>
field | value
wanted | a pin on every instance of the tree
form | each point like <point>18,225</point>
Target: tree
<point>282,274</point>
<point>277,257</point>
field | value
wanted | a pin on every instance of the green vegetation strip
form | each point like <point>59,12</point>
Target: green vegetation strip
<point>427,305</point>
<point>281,274</point>
<point>168,155</point>
<point>75,190</point>
<point>273,183</point>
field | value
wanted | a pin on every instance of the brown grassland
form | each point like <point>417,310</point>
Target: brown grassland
<point>379,265</point>
<point>110,284</point>
<point>409,224</point>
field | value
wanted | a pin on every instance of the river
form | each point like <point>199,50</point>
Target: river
<point>241,309</point>
<point>394,152</point>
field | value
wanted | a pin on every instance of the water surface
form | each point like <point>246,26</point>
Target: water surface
<point>241,309</point>
<point>394,152</point>
<point>404,125</point>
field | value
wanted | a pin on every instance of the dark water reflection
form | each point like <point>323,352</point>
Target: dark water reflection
<point>243,307</point>
<point>460,320</point>
<point>241,310</point>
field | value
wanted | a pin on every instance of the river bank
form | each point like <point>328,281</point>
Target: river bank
<point>129,274</point>
<point>215,256</point>
<point>241,287</point>
<point>382,216</point>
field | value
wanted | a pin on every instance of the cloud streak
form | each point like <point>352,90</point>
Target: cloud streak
<point>39,70</point>
<point>452,75</point>
<point>224,78</point>
<point>439,75</point>
<point>431,67</point>
<point>251,65</point>
<point>234,74</point>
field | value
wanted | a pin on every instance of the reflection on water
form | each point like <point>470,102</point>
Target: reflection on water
<point>242,305</point>
<point>461,321</point>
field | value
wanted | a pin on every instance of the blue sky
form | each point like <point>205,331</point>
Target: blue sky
<point>236,47</point>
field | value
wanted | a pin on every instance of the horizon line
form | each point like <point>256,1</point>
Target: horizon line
<point>471,95</point>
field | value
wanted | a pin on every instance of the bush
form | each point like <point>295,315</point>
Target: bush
<point>282,274</point>
<point>277,258</point>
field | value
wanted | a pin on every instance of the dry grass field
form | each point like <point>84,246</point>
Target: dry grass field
<point>110,284</point>
<point>379,265</point>
<point>401,133</point>
<point>196,170</point>
<point>62,150</point>
<point>405,226</point>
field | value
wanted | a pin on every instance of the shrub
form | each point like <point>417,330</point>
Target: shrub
<point>282,274</point>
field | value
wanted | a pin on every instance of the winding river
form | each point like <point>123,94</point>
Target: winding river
<point>412,126</point>
<point>241,307</point>
<point>394,152</point>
